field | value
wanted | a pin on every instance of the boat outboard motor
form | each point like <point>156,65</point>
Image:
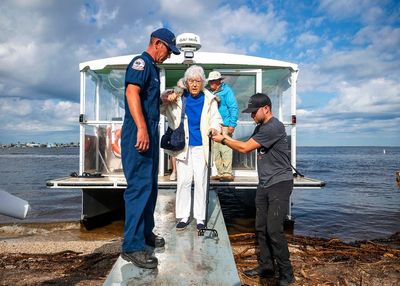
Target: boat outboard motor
<point>188,43</point>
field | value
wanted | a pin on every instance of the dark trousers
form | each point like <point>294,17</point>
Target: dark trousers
<point>272,205</point>
<point>141,173</point>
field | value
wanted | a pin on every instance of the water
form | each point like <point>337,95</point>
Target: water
<point>24,172</point>
<point>360,201</point>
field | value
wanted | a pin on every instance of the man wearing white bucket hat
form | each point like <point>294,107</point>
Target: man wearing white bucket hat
<point>228,109</point>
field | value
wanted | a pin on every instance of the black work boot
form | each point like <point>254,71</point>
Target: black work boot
<point>286,279</point>
<point>260,272</point>
<point>141,259</point>
<point>155,240</point>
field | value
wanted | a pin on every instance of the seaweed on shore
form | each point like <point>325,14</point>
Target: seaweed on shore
<point>316,261</point>
<point>319,261</point>
<point>63,268</point>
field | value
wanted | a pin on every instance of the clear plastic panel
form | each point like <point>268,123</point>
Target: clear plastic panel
<point>110,86</point>
<point>90,95</point>
<point>244,86</point>
<point>276,83</point>
<point>103,149</point>
<point>111,94</point>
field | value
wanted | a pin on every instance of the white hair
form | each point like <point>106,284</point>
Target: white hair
<point>195,71</point>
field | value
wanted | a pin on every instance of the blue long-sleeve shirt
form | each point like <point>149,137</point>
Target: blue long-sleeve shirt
<point>228,107</point>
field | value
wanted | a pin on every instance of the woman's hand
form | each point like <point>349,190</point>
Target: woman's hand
<point>212,132</point>
<point>169,96</point>
<point>172,97</point>
<point>217,137</point>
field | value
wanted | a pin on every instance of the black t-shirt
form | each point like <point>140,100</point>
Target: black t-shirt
<point>273,155</point>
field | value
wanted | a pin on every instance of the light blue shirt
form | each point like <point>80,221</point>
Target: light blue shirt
<point>228,107</point>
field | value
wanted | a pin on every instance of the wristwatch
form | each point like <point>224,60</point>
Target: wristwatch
<point>223,141</point>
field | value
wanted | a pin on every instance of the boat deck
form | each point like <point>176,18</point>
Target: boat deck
<point>119,182</point>
<point>186,259</point>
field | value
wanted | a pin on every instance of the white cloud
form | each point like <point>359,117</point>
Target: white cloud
<point>370,108</point>
<point>266,27</point>
<point>376,96</point>
<point>313,22</point>
<point>98,13</point>
<point>368,11</point>
<point>9,108</point>
<point>385,40</point>
<point>185,10</point>
<point>343,48</point>
<point>373,56</point>
<point>37,115</point>
<point>307,39</point>
<point>228,28</point>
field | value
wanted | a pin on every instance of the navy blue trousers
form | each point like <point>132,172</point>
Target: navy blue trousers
<point>272,205</point>
<point>141,173</point>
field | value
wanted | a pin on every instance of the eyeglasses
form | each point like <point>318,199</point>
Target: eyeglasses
<point>192,81</point>
<point>166,45</point>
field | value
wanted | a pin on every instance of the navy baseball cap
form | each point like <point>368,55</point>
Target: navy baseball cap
<point>256,101</point>
<point>168,38</point>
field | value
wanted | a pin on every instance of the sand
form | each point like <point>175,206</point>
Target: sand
<point>56,254</point>
<point>65,254</point>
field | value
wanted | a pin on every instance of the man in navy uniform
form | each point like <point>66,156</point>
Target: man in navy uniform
<point>274,187</point>
<point>140,148</point>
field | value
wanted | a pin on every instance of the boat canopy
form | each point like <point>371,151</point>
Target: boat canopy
<point>102,103</point>
<point>202,58</point>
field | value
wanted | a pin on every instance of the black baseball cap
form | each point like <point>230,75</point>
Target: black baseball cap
<point>256,101</point>
<point>168,38</point>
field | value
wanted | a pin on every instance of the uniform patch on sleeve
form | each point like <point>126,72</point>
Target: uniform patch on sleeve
<point>138,64</point>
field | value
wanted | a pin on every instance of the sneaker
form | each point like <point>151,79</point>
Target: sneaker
<point>227,178</point>
<point>200,225</point>
<point>172,177</point>
<point>285,280</point>
<point>260,272</point>
<point>182,224</point>
<point>141,259</point>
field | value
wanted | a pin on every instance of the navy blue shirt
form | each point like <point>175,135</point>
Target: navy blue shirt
<point>194,107</point>
<point>143,72</point>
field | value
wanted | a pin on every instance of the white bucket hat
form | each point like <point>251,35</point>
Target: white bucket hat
<point>214,75</point>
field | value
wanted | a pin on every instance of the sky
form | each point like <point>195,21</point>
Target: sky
<point>347,52</point>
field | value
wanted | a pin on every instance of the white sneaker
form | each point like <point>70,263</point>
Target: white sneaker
<point>172,177</point>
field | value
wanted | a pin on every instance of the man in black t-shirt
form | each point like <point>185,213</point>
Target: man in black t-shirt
<point>274,188</point>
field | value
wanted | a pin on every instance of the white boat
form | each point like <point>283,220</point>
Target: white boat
<point>32,145</point>
<point>102,112</point>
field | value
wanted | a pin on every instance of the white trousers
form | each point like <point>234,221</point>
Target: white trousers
<point>194,167</point>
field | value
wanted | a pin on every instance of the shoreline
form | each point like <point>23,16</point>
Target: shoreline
<point>66,254</point>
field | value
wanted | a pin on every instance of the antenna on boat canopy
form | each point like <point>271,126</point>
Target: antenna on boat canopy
<point>188,43</point>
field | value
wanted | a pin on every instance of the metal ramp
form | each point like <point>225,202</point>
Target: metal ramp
<point>186,259</point>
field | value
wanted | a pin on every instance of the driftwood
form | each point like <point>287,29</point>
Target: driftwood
<point>318,261</point>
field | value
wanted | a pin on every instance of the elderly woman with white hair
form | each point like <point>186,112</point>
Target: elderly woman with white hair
<point>201,118</point>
